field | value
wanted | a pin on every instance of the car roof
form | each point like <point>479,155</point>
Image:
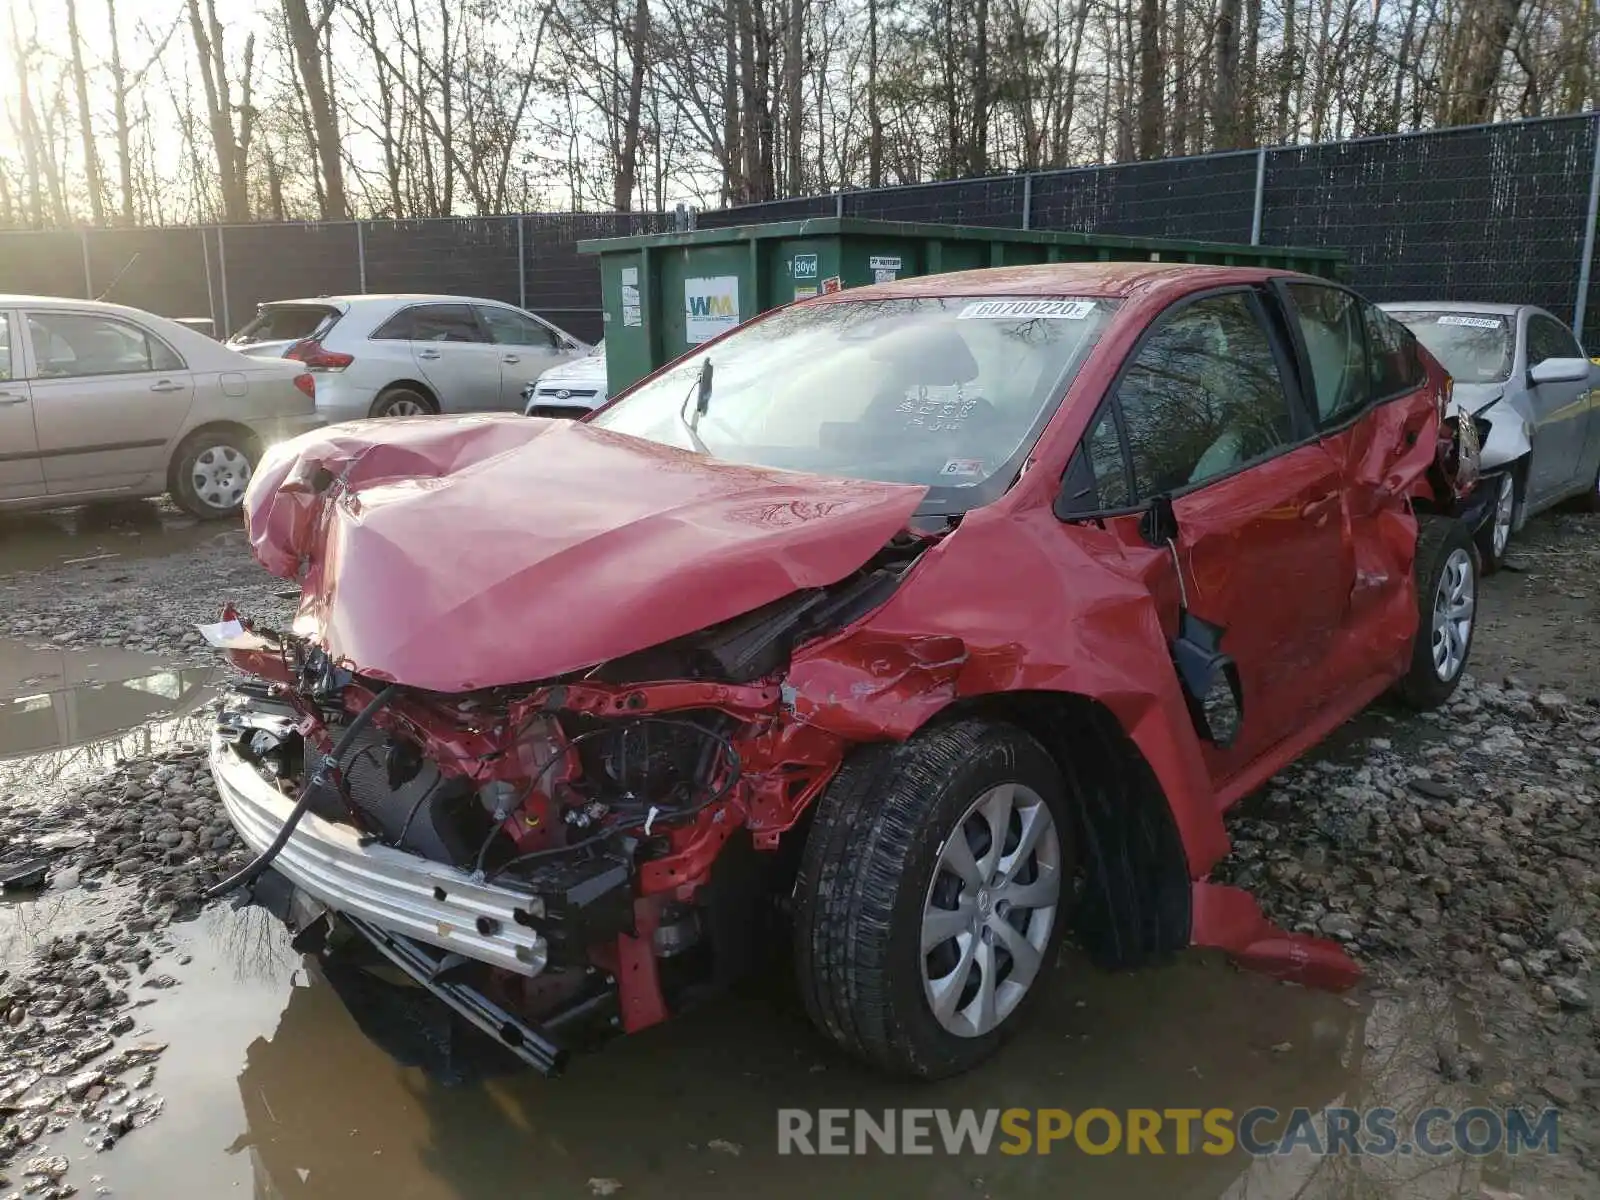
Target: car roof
<point>1458,306</point>
<point>365,298</point>
<point>1109,280</point>
<point>21,301</point>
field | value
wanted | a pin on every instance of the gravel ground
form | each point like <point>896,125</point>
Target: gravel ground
<point>143,603</point>
<point>1459,848</point>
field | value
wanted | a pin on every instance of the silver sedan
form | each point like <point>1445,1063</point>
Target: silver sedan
<point>1524,372</point>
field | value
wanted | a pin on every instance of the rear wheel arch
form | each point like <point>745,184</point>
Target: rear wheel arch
<point>409,385</point>
<point>230,428</point>
<point>232,433</point>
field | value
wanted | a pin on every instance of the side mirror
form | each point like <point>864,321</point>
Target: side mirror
<point>1210,680</point>
<point>1159,525</point>
<point>1560,370</point>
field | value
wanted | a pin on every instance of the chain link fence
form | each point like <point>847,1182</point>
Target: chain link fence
<point>1494,212</point>
<point>222,272</point>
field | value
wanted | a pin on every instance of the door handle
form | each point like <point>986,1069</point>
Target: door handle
<point>510,358</point>
<point>429,354</point>
<point>7,399</point>
<point>166,385</point>
<point>1313,510</point>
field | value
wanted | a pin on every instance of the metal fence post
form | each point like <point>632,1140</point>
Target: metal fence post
<point>522,268</point>
<point>1027,200</point>
<point>838,203</point>
<point>211,295</point>
<point>222,273</point>
<point>1580,306</point>
<point>1261,196</point>
<point>361,256</point>
<point>88,275</point>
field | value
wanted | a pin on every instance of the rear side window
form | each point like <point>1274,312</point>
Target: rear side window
<point>287,323</point>
<point>509,328</point>
<point>1548,338</point>
<point>1331,328</point>
<point>74,345</point>
<point>5,346</point>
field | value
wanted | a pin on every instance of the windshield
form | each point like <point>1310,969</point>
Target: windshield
<point>1473,347</point>
<point>947,392</point>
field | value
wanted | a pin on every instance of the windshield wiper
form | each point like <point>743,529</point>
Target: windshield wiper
<point>701,395</point>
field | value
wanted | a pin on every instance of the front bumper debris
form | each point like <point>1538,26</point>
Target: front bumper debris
<point>402,893</point>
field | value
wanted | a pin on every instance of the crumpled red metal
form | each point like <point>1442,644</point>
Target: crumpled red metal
<point>468,553</point>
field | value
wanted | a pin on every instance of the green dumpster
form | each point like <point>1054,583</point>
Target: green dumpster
<point>666,292</point>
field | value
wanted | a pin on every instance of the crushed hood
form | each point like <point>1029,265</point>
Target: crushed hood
<point>459,553</point>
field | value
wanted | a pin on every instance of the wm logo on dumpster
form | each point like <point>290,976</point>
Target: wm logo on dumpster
<point>711,306</point>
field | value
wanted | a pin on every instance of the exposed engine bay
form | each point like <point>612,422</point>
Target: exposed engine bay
<point>600,803</point>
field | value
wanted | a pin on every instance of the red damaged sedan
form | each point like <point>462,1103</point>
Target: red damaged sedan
<point>911,626</point>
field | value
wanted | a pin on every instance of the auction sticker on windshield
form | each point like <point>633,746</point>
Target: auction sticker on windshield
<point>1015,310</point>
<point>1471,322</point>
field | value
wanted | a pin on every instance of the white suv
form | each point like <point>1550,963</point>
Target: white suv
<point>396,356</point>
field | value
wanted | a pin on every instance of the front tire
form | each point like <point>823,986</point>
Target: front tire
<point>1446,572</point>
<point>211,471</point>
<point>1494,538</point>
<point>931,897</point>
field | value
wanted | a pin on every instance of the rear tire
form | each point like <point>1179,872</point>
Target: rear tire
<point>1591,501</point>
<point>915,951</point>
<point>403,402</point>
<point>210,472</point>
<point>1446,572</point>
<point>1494,539</point>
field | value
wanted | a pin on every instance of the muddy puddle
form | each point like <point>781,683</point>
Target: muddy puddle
<point>271,1086</point>
<point>97,533</point>
<point>67,714</point>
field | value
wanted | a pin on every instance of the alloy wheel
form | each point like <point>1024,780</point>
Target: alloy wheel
<point>1505,508</point>
<point>1454,602</point>
<point>989,910</point>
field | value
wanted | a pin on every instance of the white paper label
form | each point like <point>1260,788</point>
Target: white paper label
<point>883,275</point>
<point>1025,310</point>
<point>1471,322</point>
<point>884,262</point>
<point>630,276</point>
<point>710,307</point>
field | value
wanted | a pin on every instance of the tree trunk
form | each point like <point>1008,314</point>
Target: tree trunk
<point>978,147</point>
<point>1150,81</point>
<point>874,114</point>
<point>314,78</point>
<point>119,100</point>
<point>80,86</point>
<point>795,114</point>
<point>1475,104</point>
<point>1225,93</point>
<point>1250,90</point>
<point>1286,72</point>
<point>732,124</point>
<point>628,164</point>
<point>27,129</point>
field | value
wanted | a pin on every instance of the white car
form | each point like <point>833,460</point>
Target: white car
<point>570,390</point>
<point>403,355</point>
